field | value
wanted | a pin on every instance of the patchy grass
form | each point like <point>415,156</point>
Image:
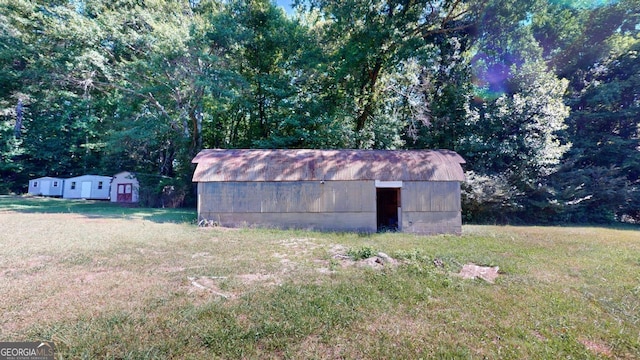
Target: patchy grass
<point>105,282</point>
<point>92,208</point>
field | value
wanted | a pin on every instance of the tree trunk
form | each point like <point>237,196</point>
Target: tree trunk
<point>369,91</point>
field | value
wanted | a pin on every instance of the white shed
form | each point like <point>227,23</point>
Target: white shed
<point>87,187</point>
<point>125,188</point>
<point>46,186</point>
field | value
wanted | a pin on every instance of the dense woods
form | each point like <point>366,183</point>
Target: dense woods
<point>542,98</point>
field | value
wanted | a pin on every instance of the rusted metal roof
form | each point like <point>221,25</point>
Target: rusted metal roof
<point>309,165</point>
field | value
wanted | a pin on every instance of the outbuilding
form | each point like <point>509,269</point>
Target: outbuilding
<point>46,186</point>
<point>125,188</point>
<point>87,187</point>
<point>415,191</point>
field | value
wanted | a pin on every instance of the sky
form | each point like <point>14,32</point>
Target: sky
<point>286,4</point>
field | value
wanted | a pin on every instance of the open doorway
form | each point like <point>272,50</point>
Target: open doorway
<point>388,209</point>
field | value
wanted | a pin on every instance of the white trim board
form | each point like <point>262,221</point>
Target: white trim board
<point>388,184</point>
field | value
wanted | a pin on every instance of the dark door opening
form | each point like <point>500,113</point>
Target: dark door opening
<point>387,204</point>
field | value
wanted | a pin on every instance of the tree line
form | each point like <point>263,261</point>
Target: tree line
<point>542,98</point>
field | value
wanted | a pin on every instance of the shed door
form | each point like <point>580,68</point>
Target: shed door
<point>45,187</point>
<point>388,209</point>
<point>124,192</point>
<point>85,190</point>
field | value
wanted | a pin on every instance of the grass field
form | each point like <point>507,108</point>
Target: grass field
<point>103,281</point>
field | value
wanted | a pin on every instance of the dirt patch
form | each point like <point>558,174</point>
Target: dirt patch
<point>210,285</point>
<point>28,267</point>
<point>56,294</point>
<point>337,250</point>
<point>378,261</point>
<point>486,273</point>
<point>301,246</point>
<point>539,336</point>
<point>597,348</point>
<point>171,269</point>
<point>201,255</point>
<point>249,279</point>
<point>314,347</point>
<point>213,285</point>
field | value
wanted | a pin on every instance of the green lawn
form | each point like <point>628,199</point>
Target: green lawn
<point>103,281</point>
<point>93,208</point>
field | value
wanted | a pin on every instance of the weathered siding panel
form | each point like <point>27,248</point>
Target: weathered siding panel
<point>431,207</point>
<point>287,197</point>
<point>431,196</point>
<point>334,205</point>
<point>362,222</point>
<point>428,223</point>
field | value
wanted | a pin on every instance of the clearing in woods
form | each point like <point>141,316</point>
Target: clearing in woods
<point>103,281</point>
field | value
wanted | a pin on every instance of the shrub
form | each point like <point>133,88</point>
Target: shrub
<point>364,252</point>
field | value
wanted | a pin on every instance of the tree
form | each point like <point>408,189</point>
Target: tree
<point>605,171</point>
<point>367,41</point>
<point>57,127</point>
<point>277,65</point>
<point>11,106</point>
<point>596,49</point>
<point>514,124</point>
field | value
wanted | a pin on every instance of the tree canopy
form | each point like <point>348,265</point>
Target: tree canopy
<point>540,97</point>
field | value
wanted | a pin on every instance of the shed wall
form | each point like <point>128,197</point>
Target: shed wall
<point>97,192</point>
<point>429,223</point>
<point>46,186</point>
<point>332,205</point>
<point>427,207</point>
<point>431,196</point>
<point>431,207</point>
<point>125,178</point>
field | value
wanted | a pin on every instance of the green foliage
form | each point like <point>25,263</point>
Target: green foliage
<point>540,98</point>
<point>10,150</point>
<point>277,101</point>
<point>362,253</point>
<point>598,181</point>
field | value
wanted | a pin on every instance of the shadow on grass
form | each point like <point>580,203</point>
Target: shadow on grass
<point>93,209</point>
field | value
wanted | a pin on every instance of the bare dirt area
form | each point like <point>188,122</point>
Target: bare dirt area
<point>89,282</point>
<point>95,280</point>
<point>597,348</point>
<point>58,272</point>
<point>48,292</point>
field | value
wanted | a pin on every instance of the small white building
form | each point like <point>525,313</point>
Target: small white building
<point>87,187</point>
<point>46,186</point>
<point>125,188</point>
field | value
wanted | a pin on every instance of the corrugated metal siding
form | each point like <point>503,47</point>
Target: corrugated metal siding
<point>431,196</point>
<point>361,222</point>
<point>286,197</point>
<point>336,165</point>
<point>428,223</point>
<point>340,206</point>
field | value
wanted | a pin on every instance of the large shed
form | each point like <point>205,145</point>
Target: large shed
<point>415,191</point>
<point>87,187</point>
<point>46,186</point>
